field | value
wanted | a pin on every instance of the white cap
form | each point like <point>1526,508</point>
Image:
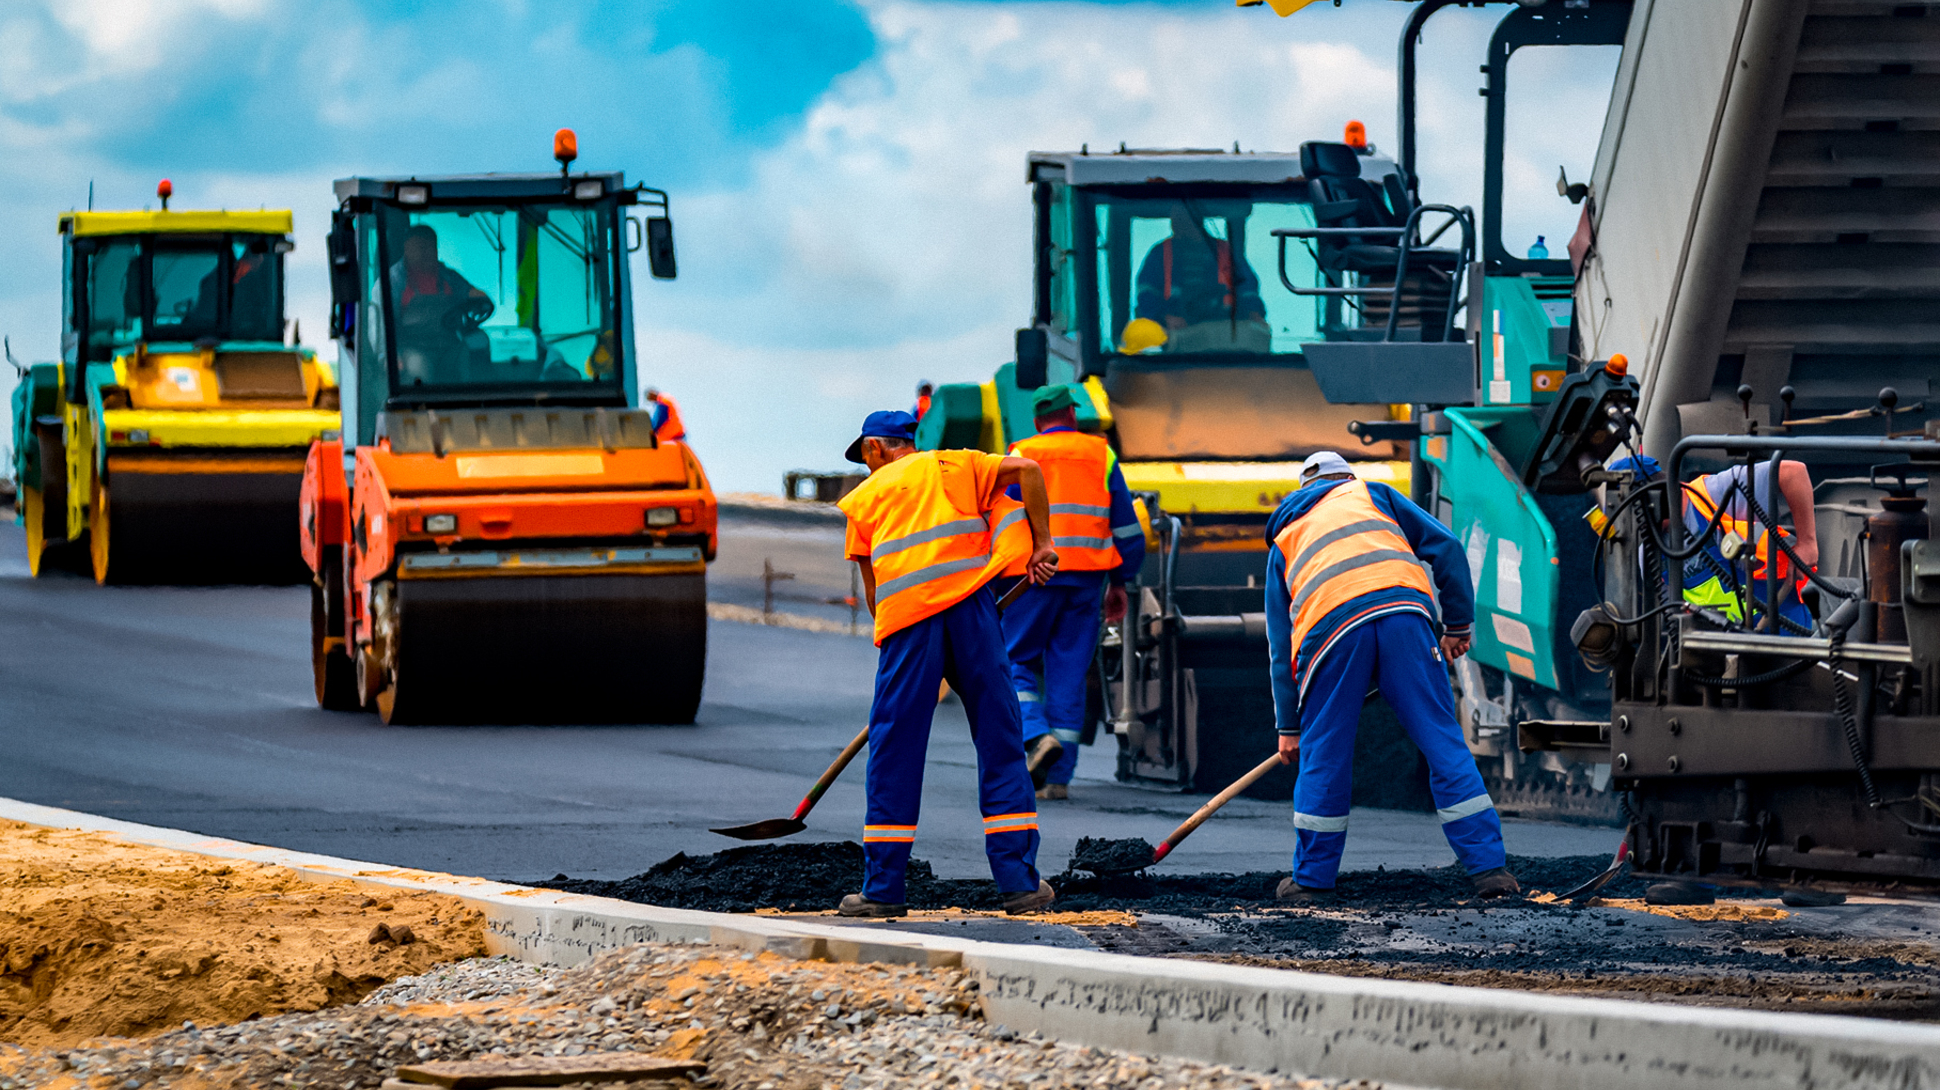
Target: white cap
<point>1324,463</point>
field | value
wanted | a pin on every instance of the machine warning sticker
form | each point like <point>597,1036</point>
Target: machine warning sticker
<point>530,465</point>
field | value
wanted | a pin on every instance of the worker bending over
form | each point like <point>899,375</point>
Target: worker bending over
<point>1349,608</point>
<point>1052,631</point>
<point>1713,578</point>
<point>928,529</point>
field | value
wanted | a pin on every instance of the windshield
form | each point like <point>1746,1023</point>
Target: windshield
<point>513,299</point>
<point>227,287</point>
<point>1202,273</point>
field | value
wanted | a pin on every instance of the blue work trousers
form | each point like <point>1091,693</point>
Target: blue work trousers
<point>1052,635</point>
<point>1399,652</point>
<point>964,645</point>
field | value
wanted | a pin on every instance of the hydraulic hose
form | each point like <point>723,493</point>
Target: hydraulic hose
<point>1842,705</point>
<point>1776,674</point>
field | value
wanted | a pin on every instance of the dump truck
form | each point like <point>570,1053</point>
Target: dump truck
<point>498,535</point>
<point>1156,297</point>
<point>167,444</point>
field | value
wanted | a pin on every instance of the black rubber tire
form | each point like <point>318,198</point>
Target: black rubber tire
<point>334,674</point>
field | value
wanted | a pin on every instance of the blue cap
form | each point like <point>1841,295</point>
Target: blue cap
<point>886,424</point>
<point>1643,465</point>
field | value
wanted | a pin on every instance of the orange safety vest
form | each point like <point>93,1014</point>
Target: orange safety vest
<point>671,428</point>
<point>930,545</point>
<point>1342,548</point>
<point>1700,500</point>
<point>1077,478</point>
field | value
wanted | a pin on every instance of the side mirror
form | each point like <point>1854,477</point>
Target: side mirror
<point>1033,358</point>
<point>344,287</point>
<point>660,247</point>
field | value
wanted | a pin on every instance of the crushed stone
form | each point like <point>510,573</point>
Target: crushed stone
<point>758,1020</point>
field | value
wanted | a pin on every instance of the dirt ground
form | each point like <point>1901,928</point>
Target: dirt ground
<point>759,1021</point>
<point>101,937</point>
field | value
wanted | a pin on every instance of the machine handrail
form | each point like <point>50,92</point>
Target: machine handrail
<point>1406,234</point>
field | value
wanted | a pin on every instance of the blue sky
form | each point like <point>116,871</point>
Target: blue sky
<point>846,176</point>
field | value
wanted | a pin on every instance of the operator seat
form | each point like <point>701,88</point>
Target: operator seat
<point>1343,198</point>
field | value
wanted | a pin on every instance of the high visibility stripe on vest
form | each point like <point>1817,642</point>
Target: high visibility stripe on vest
<point>1342,548</point>
<point>1710,592</point>
<point>927,553</point>
<point>1077,478</point>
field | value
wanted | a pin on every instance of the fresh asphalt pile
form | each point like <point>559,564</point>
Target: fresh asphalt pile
<point>1746,950</point>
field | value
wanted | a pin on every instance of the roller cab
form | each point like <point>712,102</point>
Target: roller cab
<point>498,535</point>
<point>167,445</point>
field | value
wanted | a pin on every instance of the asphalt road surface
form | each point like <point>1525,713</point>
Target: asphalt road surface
<point>191,708</point>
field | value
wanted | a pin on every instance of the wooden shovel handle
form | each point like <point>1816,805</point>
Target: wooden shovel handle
<point>1212,806</point>
<point>848,754</point>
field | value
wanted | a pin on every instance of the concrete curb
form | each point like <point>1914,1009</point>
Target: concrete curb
<point>1264,1019</point>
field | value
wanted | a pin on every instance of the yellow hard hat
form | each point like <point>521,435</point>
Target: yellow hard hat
<point>1139,335</point>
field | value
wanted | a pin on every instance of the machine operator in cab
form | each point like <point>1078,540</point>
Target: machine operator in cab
<point>1052,631</point>
<point>928,529</point>
<point>1191,285</point>
<point>1348,608</point>
<point>431,297</point>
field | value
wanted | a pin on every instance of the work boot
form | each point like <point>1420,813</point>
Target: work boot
<point>1044,753</point>
<point>855,904</point>
<point>1290,892</point>
<point>1496,883</point>
<point>1679,893</point>
<point>1054,791</point>
<point>1029,901</point>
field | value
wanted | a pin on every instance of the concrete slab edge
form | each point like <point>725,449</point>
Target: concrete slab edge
<point>1424,1035</point>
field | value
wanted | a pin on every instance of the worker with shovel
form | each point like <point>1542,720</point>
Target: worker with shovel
<point>1348,607</point>
<point>928,530</point>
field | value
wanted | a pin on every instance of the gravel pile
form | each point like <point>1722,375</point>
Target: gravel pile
<point>760,1021</point>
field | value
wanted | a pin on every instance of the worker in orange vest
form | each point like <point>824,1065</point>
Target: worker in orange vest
<point>924,392</point>
<point>666,417</point>
<point>1348,607</point>
<point>928,529</point>
<point>1052,632</point>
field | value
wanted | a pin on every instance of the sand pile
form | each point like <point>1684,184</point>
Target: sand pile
<point>101,937</point>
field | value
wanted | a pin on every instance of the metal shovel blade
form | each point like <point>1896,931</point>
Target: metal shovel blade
<point>771,829</point>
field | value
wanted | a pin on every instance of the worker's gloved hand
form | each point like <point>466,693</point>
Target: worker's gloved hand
<point>1115,602</point>
<point>1454,647</point>
<point>1043,565</point>
<point>1289,748</point>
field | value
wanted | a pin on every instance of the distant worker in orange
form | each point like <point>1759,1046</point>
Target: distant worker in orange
<point>1052,631</point>
<point>924,391</point>
<point>666,417</point>
<point>927,530</point>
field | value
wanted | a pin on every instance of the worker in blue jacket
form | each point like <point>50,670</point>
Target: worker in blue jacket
<point>1349,608</point>
<point>1052,630</point>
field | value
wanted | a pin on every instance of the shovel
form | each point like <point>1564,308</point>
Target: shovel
<point>776,828</point>
<point>1105,868</point>
<point>1590,887</point>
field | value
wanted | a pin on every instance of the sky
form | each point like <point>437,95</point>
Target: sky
<point>846,175</point>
